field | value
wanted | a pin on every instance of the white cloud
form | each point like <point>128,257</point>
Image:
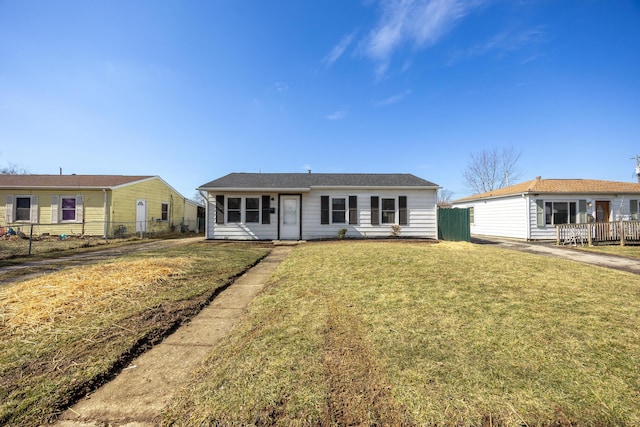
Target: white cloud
<point>337,115</point>
<point>338,50</point>
<point>504,43</point>
<point>417,22</point>
<point>280,87</point>
<point>394,99</point>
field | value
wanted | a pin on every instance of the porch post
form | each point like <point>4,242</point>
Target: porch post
<point>589,234</point>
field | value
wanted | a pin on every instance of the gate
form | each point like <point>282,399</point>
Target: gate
<point>454,224</point>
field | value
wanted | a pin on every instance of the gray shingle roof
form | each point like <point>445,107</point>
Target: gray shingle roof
<point>307,180</point>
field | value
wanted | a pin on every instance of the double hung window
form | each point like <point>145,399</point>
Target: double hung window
<point>68,208</point>
<point>234,205</point>
<point>164,212</point>
<point>384,211</point>
<point>388,211</point>
<point>252,209</point>
<point>23,209</point>
<point>338,210</point>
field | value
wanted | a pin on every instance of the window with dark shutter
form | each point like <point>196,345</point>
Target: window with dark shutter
<point>375,210</point>
<point>388,211</point>
<point>219,209</point>
<point>252,209</point>
<point>324,209</point>
<point>353,209</point>
<point>266,210</point>
<point>234,213</point>
<point>403,218</point>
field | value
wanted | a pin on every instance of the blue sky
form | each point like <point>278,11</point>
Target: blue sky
<point>193,90</point>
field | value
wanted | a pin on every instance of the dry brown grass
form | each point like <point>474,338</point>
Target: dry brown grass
<point>36,305</point>
<point>64,334</point>
<point>449,334</point>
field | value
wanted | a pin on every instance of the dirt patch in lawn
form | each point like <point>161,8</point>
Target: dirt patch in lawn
<point>358,389</point>
<point>160,321</point>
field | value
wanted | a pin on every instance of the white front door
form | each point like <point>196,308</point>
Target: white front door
<point>141,216</point>
<point>290,217</point>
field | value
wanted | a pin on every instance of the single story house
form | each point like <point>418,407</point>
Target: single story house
<point>94,205</point>
<point>531,210</point>
<point>295,206</point>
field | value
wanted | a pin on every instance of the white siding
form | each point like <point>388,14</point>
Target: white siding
<point>421,212</point>
<point>505,217</point>
<point>241,231</point>
<point>618,210</point>
<point>516,216</point>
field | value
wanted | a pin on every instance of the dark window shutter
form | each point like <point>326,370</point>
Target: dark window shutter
<point>353,209</point>
<point>266,209</point>
<point>324,209</point>
<point>219,209</point>
<point>375,210</point>
<point>402,210</point>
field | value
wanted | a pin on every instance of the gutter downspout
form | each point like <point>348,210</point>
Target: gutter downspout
<point>104,192</point>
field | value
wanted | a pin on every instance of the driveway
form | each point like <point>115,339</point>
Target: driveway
<point>629,265</point>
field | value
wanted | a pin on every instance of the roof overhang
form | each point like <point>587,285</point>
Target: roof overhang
<point>54,187</point>
<point>253,190</point>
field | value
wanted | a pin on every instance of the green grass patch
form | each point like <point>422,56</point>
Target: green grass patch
<point>449,334</point>
<point>64,334</point>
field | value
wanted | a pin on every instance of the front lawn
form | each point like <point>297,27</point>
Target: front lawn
<point>449,334</point>
<point>629,251</point>
<point>64,334</point>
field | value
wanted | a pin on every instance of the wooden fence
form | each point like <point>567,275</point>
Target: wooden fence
<point>607,233</point>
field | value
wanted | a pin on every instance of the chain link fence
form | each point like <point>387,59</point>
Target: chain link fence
<point>26,239</point>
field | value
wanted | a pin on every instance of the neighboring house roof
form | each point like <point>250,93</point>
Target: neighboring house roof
<point>68,181</point>
<point>305,181</point>
<point>558,186</point>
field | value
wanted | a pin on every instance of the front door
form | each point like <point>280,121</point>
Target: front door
<point>289,217</point>
<point>602,211</point>
<point>141,216</point>
<point>603,231</point>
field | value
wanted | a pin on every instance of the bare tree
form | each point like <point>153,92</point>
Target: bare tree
<point>12,169</point>
<point>491,169</point>
<point>444,198</point>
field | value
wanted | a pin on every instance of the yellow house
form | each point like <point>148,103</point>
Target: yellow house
<point>94,205</point>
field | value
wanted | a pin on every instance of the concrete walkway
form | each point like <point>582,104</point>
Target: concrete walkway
<point>568,252</point>
<point>137,396</point>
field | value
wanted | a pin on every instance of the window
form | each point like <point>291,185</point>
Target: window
<point>164,213</point>
<point>252,209</point>
<point>472,215</point>
<point>560,213</point>
<point>388,211</point>
<point>68,208</point>
<point>23,208</point>
<point>338,210</point>
<point>233,209</point>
